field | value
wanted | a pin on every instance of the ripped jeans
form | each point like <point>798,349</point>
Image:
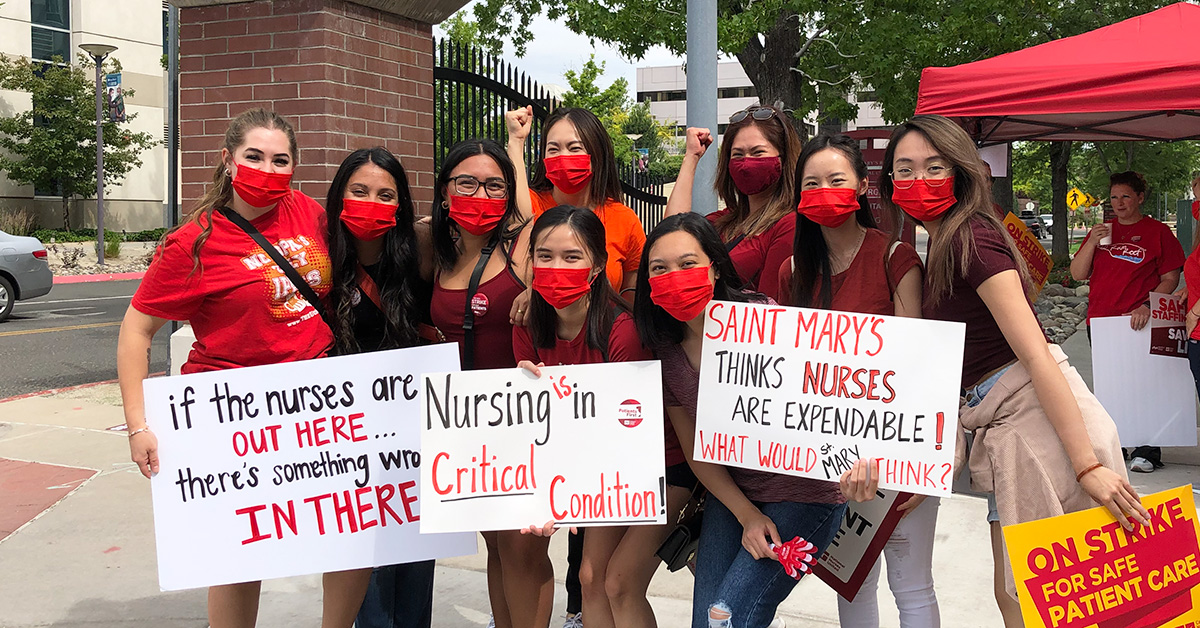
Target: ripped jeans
<point>732,589</point>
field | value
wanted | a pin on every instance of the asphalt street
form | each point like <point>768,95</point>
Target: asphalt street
<point>68,337</point>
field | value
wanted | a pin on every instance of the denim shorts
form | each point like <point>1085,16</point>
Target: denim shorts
<point>974,397</point>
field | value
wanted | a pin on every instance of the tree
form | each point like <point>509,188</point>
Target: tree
<point>587,95</point>
<point>52,146</point>
<point>611,105</point>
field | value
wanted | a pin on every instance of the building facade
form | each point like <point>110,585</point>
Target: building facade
<point>43,29</point>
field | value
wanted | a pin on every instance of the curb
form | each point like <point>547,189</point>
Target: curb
<point>55,391</point>
<point>62,279</point>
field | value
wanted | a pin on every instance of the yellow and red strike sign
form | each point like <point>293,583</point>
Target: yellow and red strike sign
<point>1082,569</point>
<point>1035,254</point>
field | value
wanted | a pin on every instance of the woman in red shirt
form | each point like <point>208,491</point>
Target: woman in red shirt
<point>756,180</point>
<point>849,265</point>
<point>575,317</point>
<point>1126,260</point>
<point>209,272</point>
<point>1043,444</point>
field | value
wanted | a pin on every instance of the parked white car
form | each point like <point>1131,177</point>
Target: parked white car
<point>24,271</point>
<point>1049,220</point>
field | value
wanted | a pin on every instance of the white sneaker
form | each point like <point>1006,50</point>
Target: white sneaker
<point>777,623</point>
<point>1141,465</point>
<point>573,621</point>
<point>491,621</point>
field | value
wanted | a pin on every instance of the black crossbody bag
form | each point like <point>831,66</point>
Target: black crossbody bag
<point>679,549</point>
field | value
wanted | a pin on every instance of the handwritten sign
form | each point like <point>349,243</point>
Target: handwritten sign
<point>1168,333</point>
<point>1035,255</point>
<point>1151,397</point>
<point>290,469</point>
<point>808,392</point>
<point>1082,569</point>
<point>582,445</point>
<point>855,548</point>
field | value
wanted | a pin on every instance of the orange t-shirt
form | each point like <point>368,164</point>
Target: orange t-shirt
<point>622,232</point>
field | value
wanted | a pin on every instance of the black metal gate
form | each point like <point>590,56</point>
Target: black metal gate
<point>471,92</point>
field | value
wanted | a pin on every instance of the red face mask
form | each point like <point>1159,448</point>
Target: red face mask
<point>925,202</point>
<point>569,173</point>
<point>752,175</point>
<point>260,188</point>
<point>561,287</point>
<point>1196,209</point>
<point>476,214</point>
<point>828,207</point>
<point>682,293</point>
<point>368,220</point>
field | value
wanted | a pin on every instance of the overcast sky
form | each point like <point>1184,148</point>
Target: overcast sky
<point>554,50</point>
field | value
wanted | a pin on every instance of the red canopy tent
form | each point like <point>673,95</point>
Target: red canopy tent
<point>1134,80</point>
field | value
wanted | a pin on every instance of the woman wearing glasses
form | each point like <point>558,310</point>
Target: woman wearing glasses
<point>481,252</point>
<point>756,180</point>
<point>1043,444</point>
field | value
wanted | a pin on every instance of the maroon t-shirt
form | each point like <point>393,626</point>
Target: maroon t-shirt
<point>986,349</point>
<point>493,331</point>
<point>870,289</point>
<point>624,345</point>
<point>681,386</point>
<point>756,258</point>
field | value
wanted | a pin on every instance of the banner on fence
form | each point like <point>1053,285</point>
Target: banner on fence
<point>855,548</point>
<point>582,445</point>
<point>1083,569</point>
<point>1151,397</point>
<point>294,468</point>
<point>808,392</point>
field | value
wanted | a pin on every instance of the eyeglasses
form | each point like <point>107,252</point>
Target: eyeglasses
<point>756,112</point>
<point>935,175</point>
<point>467,185</point>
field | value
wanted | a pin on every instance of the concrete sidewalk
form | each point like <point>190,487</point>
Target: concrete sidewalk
<point>89,559</point>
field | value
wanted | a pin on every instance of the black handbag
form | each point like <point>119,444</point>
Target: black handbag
<point>679,549</point>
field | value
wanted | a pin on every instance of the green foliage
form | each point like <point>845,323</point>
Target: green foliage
<point>586,94</point>
<point>112,244</point>
<point>620,119</point>
<point>87,235</point>
<point>52,146</point>
<point>668,168</point>
<point>18,222</point>
<point>1061,275</point>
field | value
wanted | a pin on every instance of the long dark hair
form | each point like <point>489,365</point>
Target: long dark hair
<point>738,221</point>
<point>605,183</point>
<point>656,327</point>
<point>399,274</point>
<point>810,252</point>
<point>603,303</point>
<point>444,229</point>
<point>951,253</point>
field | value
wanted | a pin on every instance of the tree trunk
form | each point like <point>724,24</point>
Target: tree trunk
<point>66,213</point>
<point>1060,158</point>
<point>768,63</point>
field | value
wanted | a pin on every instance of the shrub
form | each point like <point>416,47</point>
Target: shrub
<point>1061,275</point>
<point>18,222</point>
<point>70,257</point>
<point>112,244</point>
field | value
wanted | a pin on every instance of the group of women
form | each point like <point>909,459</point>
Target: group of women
<point>554,269</point>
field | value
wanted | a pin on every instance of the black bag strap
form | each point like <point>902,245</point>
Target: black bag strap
<point>469,313</point>
<point>302,286</point>
<point>732,244</point>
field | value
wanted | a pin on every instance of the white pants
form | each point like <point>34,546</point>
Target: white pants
<point>909,554</point>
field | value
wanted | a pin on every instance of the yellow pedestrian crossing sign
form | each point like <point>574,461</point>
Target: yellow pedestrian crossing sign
<point>1092,201</point>
<point>1077,199</point>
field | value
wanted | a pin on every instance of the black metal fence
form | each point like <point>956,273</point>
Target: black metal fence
<point>473,89</point>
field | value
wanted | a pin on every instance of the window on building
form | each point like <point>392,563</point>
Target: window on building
<point>736,92</point>
<point>51,26</point>
<point>721,129</point>
<point>867,96</point>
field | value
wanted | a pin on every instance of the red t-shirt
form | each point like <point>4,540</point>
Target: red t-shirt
<point>243,309</point>
<point>756,258</point>
<point>623,235</point>
<point>1191,275</point>
<point>624,345</point>
<point>1124,272</point>
<point>871,293</point>
<point>986,348</point>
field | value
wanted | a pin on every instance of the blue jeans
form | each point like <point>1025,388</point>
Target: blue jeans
<point>730,580</point>
<point>399,596</point>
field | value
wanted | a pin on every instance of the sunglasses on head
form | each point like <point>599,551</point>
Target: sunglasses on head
<point>756,112</point>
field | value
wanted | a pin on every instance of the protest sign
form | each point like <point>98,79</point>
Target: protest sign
<point>1168,334</point>
<point>294,468</point>
<point>1036,257</point>
<point>855,548</point>
<point>808,392</point>
<point>1150,397</point>
<point>1083,569</point>
<point>582,445</point>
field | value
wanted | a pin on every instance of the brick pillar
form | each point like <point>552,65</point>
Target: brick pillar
<point>345,75</point>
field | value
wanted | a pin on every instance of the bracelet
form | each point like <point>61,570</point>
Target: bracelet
<point>1086,471</point>
<point>138,431</point>
<point>1147,305</point>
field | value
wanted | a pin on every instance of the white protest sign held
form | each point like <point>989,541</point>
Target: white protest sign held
<point>582,445</point>
<point>808,392</point>
<point>291,469</point>
<point>1150,396</point>
<point>860,538</point>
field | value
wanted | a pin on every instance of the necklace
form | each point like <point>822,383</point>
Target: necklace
<point>839,263</point>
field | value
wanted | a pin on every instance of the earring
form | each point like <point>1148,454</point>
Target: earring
<point>445,205</point>
<point>227,173</point>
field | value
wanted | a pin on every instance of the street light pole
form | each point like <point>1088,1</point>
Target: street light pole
<point>99,52</point>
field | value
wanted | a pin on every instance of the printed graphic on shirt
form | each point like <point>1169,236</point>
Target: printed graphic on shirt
<point>1131,253</point>
<point>309,260</point>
